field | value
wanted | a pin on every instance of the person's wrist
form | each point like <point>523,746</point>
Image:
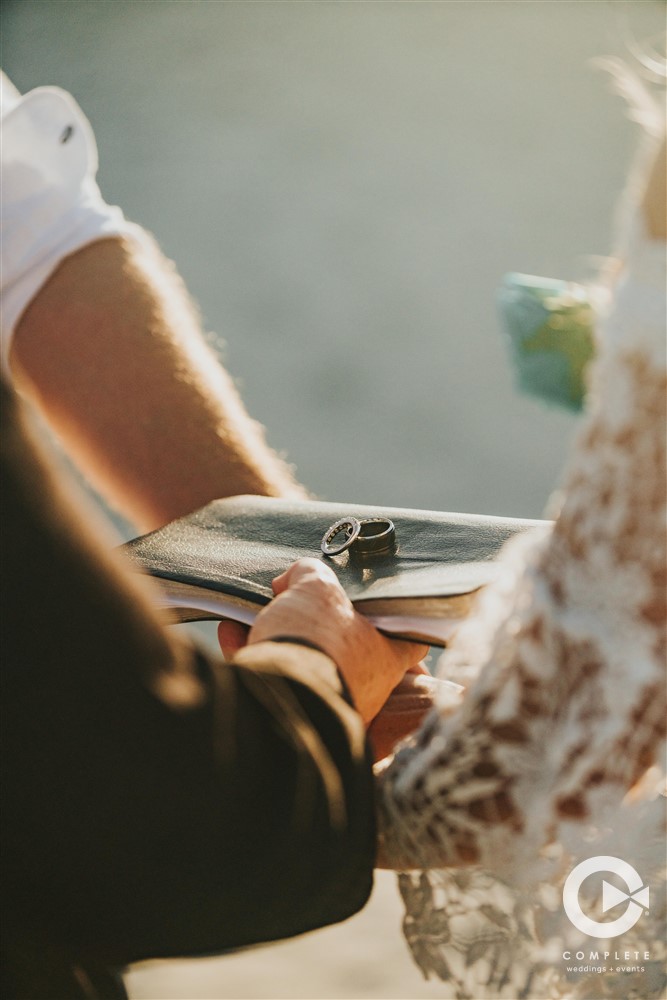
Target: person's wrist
<point>297,627</point>
<point>297,640</point>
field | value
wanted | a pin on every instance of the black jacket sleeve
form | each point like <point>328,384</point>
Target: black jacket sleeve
<point>158,802</point>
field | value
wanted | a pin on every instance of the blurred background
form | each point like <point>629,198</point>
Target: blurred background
<point>342,186</point>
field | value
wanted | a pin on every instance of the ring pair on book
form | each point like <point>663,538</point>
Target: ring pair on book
<point>362,536</point>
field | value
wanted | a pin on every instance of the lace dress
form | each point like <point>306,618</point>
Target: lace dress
<point>555,753</point>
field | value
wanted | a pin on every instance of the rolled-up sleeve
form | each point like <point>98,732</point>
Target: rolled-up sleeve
<point>51,205</point>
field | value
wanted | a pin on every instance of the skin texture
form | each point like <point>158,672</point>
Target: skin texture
<point>403,711</point>
<point>111,350</point>
<point>310,605</point>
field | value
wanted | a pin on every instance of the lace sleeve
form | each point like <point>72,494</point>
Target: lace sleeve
<point>566,712</point>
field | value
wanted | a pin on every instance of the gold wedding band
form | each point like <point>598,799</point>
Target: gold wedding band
<point>376,536</point>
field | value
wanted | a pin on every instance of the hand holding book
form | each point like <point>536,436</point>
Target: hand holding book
<point>219,562</point>
<point>409,701</point>
<point>311,607</point>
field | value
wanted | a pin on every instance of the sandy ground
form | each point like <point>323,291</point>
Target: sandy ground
<point>365,957</point>
<point>343,186</point>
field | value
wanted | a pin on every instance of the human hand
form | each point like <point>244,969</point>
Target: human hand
<point>311,606</point>
<point>232,636</point>
<point>406,707</point>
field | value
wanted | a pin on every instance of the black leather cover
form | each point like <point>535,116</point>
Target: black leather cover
<point>236,546</point>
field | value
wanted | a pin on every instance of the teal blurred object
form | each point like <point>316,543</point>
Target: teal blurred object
<point>550,327</point>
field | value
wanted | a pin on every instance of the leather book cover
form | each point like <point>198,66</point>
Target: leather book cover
<point>236,546</point>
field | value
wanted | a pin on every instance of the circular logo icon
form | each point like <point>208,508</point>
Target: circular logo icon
<point>636,897</point>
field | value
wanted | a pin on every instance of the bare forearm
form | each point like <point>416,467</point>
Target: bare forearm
<point>112,351</point>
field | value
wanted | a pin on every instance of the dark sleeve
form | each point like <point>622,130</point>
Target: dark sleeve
<point>158,802</point>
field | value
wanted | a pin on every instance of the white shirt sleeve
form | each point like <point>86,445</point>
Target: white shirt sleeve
<point>51,205</point>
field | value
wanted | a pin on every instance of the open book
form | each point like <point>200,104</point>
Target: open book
<point>219,561</point>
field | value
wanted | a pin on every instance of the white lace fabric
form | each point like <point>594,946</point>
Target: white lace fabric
<point>557,749</point>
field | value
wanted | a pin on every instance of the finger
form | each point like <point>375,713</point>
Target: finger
<point>279,584</point>
<point>411,686</point>
<point>419,668</point>
<point>387,729</point>
<point>232,636</point>
<point>300,571</point>
<point>407,655</point>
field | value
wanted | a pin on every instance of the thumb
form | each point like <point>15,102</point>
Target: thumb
<point>306,568</point>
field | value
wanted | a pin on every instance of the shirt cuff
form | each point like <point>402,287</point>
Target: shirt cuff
<point>303,663</point>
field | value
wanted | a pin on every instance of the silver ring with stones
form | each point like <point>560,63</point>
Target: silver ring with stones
<point>349,527</point>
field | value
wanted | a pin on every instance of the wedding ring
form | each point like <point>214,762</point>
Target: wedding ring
<point>377,535</point>
<point>349,527</point>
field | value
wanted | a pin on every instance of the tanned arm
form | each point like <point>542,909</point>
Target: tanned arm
<point>112,351</point>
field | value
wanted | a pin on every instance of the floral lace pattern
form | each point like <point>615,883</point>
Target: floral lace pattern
<point>555,752</point>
